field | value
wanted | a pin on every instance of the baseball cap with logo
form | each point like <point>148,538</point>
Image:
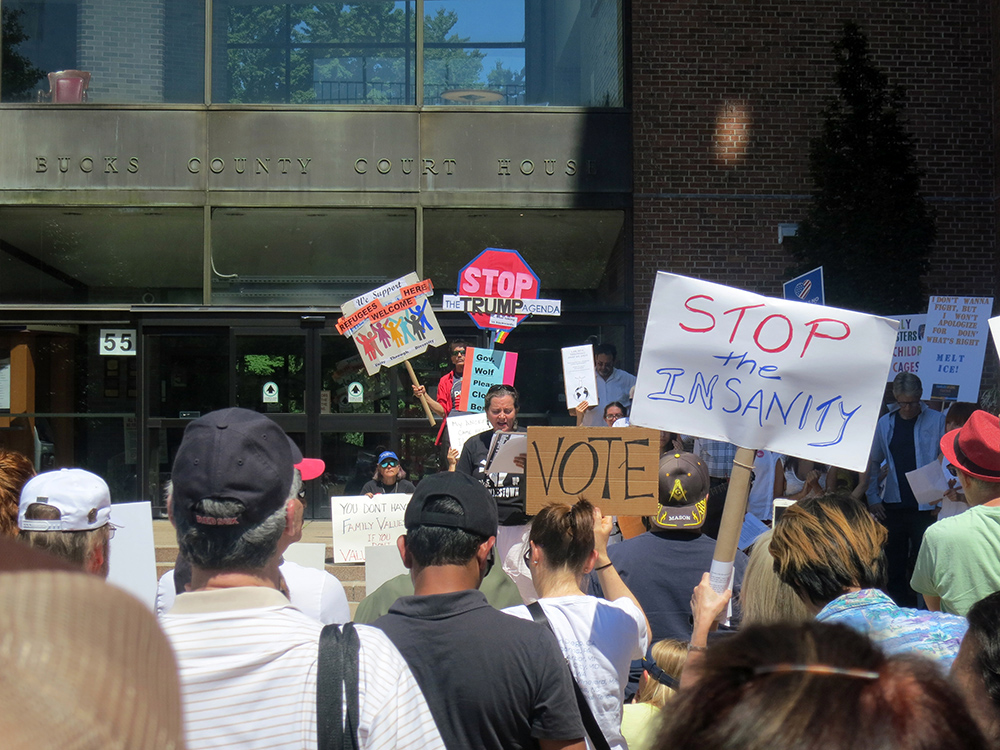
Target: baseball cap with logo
<point>82,499</point>
<point>684,486</point>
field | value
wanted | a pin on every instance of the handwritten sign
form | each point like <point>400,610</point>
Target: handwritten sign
<point>579,379</point>
<point>909,344</point>
<point>484,368</point>
<point>764,373</point>
<point>461,428</point>
<point>616,470</point>
<point>951,361</point>
<point>360,521</point>
<point>392,323</point>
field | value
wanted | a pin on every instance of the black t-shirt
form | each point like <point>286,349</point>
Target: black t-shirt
<point>491,680</point>
<point>904,458</point>
<point>402,486</point>
<point>507,489</point>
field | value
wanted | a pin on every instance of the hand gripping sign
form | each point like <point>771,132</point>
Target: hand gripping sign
<point>499,290</point>
<point>762,373</point>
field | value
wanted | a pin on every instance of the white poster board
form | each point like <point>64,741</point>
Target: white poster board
<point>360,522</point>
<point>763,373</point>
<point>461,428</point>
<point>951,362</point>
<point>909,344</point>
<point>579,378</point>
<point>132,552</point>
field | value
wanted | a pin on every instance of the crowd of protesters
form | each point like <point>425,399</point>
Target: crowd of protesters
<point>859,617</point>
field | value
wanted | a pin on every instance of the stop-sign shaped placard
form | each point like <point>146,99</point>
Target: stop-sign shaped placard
<point>500,278</point>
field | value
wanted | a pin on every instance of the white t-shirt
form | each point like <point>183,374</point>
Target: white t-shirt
<point>247,662</point>
<point>599,640</point>
<point>312,592</point>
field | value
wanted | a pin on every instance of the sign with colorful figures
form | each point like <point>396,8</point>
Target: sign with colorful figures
<point>484,368</point>
<point>763,373</point>
<point>951,359</point>
<point>392,323</point>
<point>499,290</point>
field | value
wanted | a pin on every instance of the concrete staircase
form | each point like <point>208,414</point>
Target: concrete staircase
<point>352,576</point>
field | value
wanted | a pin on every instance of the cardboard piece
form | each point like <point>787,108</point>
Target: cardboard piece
<point>132,554</point>
<point>484,368</point>
<point>461,428</point>
<point>616,470</point>
<point>307,554</point>
<point>579,378</point>
<point>951,360</point>
<point>360,522</point>
<point>909,345</point>
<point>759,372</point>
<point>381,565</point>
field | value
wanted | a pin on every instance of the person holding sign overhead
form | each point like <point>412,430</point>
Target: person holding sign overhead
<point>450,386</point>
<point>613,384</point>
<point>507,489</point>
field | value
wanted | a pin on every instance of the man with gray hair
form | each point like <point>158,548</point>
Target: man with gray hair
<point>905,439</point>
<point>248,659</point>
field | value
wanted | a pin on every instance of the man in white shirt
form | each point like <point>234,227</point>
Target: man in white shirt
<point>613,384</point>
<point>247,657</point>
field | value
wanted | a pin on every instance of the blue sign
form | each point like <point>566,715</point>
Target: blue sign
<point>807,288</point>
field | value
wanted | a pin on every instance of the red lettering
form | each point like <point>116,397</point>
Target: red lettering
<point>687,305</point>
<point>813,333</point>
<point>756,334</point>
<point>739,320</point>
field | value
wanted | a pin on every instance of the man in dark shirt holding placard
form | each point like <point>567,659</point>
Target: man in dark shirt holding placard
<point>905,439</point>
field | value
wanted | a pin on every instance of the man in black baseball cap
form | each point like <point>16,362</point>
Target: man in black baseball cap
<point>523,693</point>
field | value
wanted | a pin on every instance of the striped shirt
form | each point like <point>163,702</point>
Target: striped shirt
<point>247,662</point>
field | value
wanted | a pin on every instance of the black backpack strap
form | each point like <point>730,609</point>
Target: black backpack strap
<point>594,731</point>
<point>337,675</point>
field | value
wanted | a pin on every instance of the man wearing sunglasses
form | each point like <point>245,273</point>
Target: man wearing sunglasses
<point>959,559</point>
<point>450,386</point>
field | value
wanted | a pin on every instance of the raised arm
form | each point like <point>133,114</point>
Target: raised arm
<point>611,583</point>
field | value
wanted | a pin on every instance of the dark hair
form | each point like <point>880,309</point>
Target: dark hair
<point>615,403</point>
<point>500,390</point>
<point>452,345</point>
<point>984,626</point>
<point>565,533</point>
<point>15,471</point>
<point>823,546</point>
<point>440,545</point>
<point>815,685</point>
<point>960,411</point>
<point>606,349</point>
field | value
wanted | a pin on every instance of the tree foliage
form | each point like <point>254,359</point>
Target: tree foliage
<point>20,77</point>
<point>868,225</point>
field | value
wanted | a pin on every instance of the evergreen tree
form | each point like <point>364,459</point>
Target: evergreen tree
<point>868,225</point>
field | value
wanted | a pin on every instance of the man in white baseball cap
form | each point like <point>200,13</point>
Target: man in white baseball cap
<point>67,513</point>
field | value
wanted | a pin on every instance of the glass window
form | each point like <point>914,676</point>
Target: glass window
<point>148,52</point>
<point>87,255</point>
<point>314,53</point>
<point>578,256</point>
<point>523,52</point>
<point>307,256</point>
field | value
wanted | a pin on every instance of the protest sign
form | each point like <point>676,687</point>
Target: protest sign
<point>131,553</point>
<point>484,368</point>
<point>951,361</point>
<point>360,521</point>
<point>616,470</point>
<point>393,323</point>
<point>764,373</point>
<point>909,344</point>
<point>806,288</point>
<point>463,427</point>
<point>579,378</point>
<point>995,330</point>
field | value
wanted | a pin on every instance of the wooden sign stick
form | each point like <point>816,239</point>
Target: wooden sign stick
<point>423,398</point>
<point>733,514</point>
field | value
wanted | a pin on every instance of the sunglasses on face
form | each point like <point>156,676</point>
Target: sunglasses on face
<point>952,470</point>
<point>389,463</point>
<point>458,353</point>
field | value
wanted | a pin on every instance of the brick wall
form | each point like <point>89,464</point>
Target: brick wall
<point>727,94</point>
<point>122,44</point>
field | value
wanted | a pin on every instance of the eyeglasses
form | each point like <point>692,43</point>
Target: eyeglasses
<point>908,403</point>
<point>389,463</point>
<point>952,470</point>
<point>612,417</point>
<point>527,556</point>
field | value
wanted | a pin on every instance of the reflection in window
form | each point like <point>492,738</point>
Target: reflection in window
<point>135,53</point>
<point>523,52</point>
<point>309,256</point>
<point>83,255</point>
<point>579,256</point>
<point>316,53</point>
